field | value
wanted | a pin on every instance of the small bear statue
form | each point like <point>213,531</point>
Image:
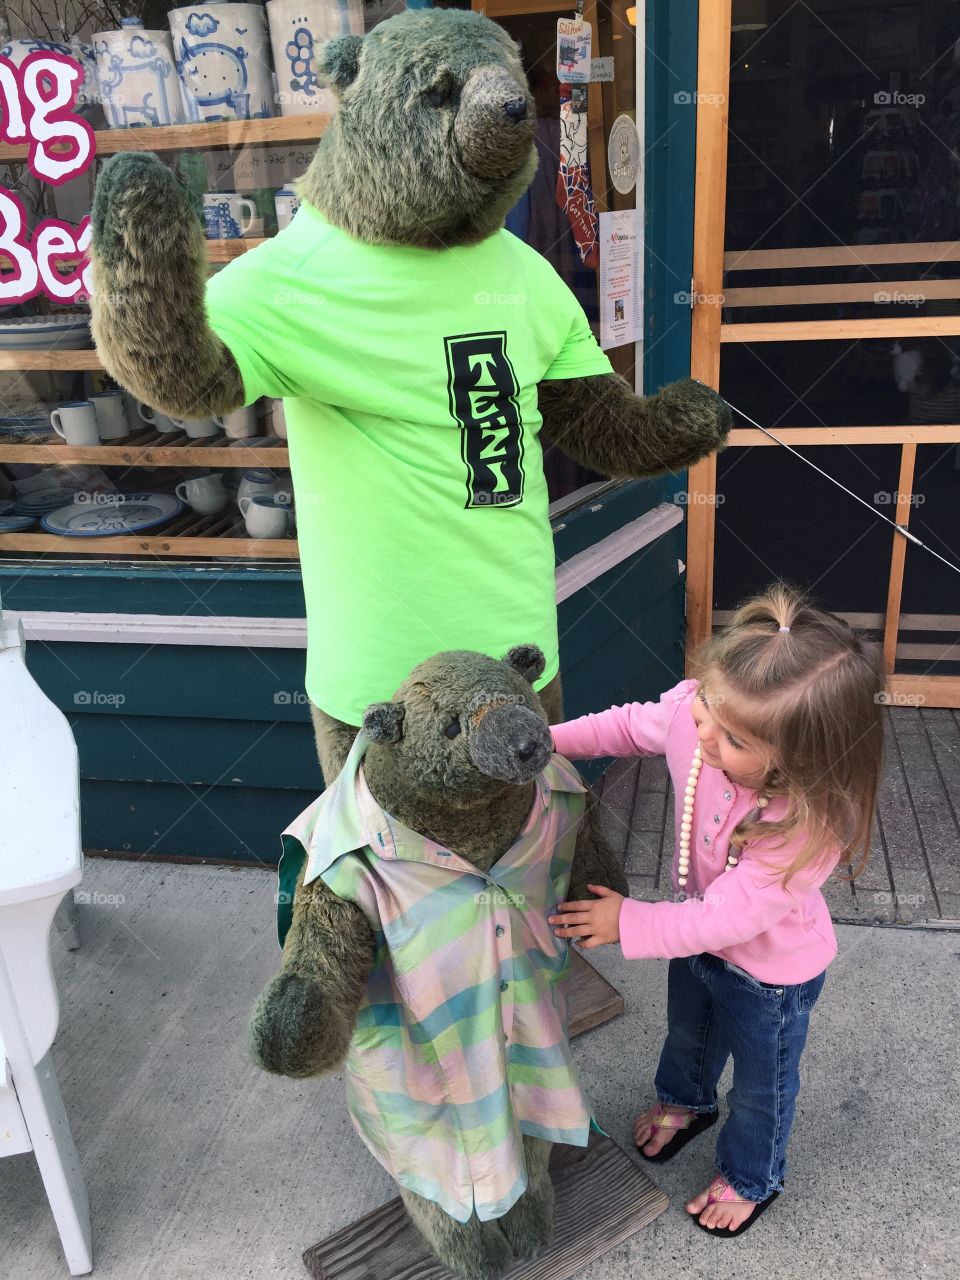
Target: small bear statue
<point>420,960</point>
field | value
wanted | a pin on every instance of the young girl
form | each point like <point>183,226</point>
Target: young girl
<point>775,756</point>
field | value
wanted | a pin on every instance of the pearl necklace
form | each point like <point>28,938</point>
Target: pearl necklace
<point>686,821</point>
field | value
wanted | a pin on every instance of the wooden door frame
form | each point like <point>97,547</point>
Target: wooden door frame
<point>709,331</point>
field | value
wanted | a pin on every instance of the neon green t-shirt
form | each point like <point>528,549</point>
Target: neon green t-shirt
<point>409,378</point>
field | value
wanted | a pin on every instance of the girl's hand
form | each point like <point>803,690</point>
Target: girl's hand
<point>594,922</point>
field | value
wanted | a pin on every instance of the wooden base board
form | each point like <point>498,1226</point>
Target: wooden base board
<point>591,1000</point>
<point>603,1198</point>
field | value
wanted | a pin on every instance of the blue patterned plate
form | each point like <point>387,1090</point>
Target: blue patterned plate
<point>123,513</point>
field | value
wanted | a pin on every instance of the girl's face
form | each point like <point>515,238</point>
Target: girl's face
<point>720,746</point>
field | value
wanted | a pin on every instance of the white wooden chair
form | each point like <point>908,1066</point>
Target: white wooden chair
<point>40,862</point>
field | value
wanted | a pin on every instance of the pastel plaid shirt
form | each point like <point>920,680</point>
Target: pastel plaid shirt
<point>460,1045</point>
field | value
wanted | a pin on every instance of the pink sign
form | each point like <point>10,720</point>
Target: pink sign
<point>36,107</point>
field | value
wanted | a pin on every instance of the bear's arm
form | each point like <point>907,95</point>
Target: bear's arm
<point>149,261</point>
<point>594,861</point>
<point>304,1020</point>
<point>601,423</point>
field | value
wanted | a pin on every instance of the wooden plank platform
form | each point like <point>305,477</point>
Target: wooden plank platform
<point>591,999</point>
<point>603,1198</point>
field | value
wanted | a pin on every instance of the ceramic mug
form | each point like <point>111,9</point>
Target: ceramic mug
<point>197,428</point>
<point>286,202</point>
<point>111,414</point>
<point>223,215</point>
<point>154,417</point>
<point>254,484</point>
<point>241,424</point>
<point>204,494</point>
<point>279,420</point>
<point>265,515</point>
<point>76,422</point>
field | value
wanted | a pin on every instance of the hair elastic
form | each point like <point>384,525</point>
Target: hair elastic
<point>784,628</point>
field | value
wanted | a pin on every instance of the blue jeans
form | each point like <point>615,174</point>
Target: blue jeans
<point>714,1010</point>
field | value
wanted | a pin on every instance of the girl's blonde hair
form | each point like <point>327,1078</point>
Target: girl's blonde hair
<point>808,690</point>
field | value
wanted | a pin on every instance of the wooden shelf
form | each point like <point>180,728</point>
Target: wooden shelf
<point>153,545</point>
<point>66,361</point>
<point>192,137</point>
<point>222,535</point>
<point>150,448</point>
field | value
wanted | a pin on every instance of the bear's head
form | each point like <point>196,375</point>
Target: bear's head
<point>432,141</point>
<point>461,726</point>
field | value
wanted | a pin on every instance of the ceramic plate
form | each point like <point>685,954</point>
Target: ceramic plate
<point>125,513</point>
<point>16,524</point>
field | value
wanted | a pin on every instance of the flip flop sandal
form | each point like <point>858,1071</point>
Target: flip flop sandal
<point>721,1192</point>
<point>688,1125</point>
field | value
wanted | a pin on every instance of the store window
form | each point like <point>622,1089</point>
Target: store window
<point>841,310</point>
<point>85,469</point>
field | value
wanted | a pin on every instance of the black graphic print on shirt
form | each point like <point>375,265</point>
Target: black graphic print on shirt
<point>483,391</point>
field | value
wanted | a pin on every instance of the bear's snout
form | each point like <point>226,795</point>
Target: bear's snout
<point>494,126</point>
<point>511,743</point>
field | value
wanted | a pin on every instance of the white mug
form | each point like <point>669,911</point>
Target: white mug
<point>240,424</point>
<point>286,202</point>
<point>265,516</point>
<point>155,418</point>
<point>197,428</point>
<point>279,419</point>
<point>111,414</point>
<point>227,215</point>
<point>76,422</point>
<point>256,488</point>
<point>204,494</point>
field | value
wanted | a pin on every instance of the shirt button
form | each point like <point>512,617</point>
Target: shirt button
<point>727,795</point>
<point>504,984</point>
<point>716,818</point>
<point>706,839</point>
<point>499,930</point>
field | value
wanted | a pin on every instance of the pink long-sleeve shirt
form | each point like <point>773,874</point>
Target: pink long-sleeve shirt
<point>745,915</point>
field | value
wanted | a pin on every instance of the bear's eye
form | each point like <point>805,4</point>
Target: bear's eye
<point>440,93</point>
<point>453,729</point>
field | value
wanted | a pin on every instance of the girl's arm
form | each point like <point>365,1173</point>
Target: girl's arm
<point>737,906</point>
<point>634,729</point>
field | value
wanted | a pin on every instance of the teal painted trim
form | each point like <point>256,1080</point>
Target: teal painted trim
<point>207,752</point>
<point>671,134</point>
<point>192,821</point>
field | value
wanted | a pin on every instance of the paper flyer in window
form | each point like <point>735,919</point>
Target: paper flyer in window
<point>620,283</point>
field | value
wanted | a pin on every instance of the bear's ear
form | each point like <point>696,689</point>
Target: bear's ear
<point>383,721</point>
<point>339,61</point>
<point>527,659</point>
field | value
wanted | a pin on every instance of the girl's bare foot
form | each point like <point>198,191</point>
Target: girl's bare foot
<point>651,1134</point>
<point>711,1212</point>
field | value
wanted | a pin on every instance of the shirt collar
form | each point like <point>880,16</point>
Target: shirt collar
<point>349,817</point>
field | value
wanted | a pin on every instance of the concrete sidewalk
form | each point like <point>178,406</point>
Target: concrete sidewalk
<point>198,1165</point>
